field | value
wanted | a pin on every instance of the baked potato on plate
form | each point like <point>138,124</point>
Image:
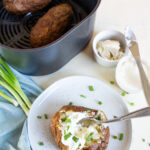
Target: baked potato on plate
<point>70,135</point>
<point>85,93</point>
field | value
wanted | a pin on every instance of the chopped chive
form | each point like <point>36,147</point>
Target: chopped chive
<point>131,104</point>
<point>41,143</point>
<point>83,96</point>
<point>75,139</point>
<point>100,103</point>
<point>63,119</point>
<point>64,132</point>
<point>90,136</point>
<point>68,120</point>
<point>70,103</point>
<point>80,144</point>
<point>115,117</point>
<point>115,137</point>
<point>98,117</point>
<point>124,93</point>
<point>68,127</point>
<point>148,144</point>
<point>46,116</point>
<point>143,140</point>
<point>91,88</point>
<point>39,117</point>
<point>67,136</point>
<point>112,82</point>
<point>121,136</point>
<point>88,111</point>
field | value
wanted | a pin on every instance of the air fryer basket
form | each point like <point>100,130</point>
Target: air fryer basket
<point>16,48</point>
<point>16,29</point>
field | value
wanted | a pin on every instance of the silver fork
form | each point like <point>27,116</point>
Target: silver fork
<point>136,114</point>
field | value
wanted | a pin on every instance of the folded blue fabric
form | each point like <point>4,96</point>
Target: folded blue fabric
<point>13,124</point>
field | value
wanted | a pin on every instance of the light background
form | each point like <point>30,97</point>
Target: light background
<point>114,14</point>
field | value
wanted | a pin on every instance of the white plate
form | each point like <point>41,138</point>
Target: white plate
<point>69,90</point>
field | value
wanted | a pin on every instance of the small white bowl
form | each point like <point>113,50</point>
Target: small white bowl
<point>109,35</point>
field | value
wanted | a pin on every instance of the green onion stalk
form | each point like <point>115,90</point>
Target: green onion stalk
<point>11,100</point>
<point>11,83</point>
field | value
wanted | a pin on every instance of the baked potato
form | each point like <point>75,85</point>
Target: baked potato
<point>69,135</point>
<point>24,6</point>
<point>52,25</point>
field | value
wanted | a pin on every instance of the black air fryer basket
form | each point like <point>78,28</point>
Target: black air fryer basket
<point>17,51</point>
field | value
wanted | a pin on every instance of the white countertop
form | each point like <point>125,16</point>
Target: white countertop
<point>114,14</point>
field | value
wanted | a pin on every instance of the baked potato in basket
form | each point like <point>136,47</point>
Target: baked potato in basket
<point>24,6</point>
<point>52,25</point>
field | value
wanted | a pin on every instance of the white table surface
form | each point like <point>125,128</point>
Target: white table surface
<point>114,14</point>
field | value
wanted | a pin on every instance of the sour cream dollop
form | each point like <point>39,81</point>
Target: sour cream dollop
<point>127,74</point>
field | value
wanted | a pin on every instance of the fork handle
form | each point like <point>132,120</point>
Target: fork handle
<point>144,80</point>
<point>136,114</point>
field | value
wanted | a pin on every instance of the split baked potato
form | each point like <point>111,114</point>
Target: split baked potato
<point>69,135</point>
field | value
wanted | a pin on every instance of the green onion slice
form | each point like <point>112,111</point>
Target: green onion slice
<point>75,139</point>
<point>89,138</point>
<point>67,136</point>
<point>91,88</point>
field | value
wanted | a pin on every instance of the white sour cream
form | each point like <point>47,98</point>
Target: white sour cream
<point>78,131</point>
<point>127,74</point>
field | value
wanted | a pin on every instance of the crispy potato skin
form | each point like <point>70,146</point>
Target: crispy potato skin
<point>51,26</point>
<point>24,6</point>
<point>54,127</point>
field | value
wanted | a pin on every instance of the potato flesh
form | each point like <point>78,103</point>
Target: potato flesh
<point>79,131</point>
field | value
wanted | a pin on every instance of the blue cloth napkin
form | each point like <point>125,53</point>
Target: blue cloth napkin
<point>13,124</point>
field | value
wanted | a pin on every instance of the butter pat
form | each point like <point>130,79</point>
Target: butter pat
<point>110,49</point>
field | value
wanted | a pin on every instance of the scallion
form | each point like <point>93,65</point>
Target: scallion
<point>14,93</point>
<point>121,136</point>
<point>46,116</point>
<point>89,137</point>
<point>143,140</point>
<point>39,117</point>
<point>41,143</point>
<point>75,139</point>
<point>67,136</point>
<point>91,88</point>
<point>99,102</point>
<point>112,82</point>
<point>83,96</point>
<point>115,137</point>
<point>88,111</point>
<point>70,103</point>
<point>68,120</point>
<point>11,100</point>
<point>131,104</point>
<point>115,117</point>
<point>11,83</point>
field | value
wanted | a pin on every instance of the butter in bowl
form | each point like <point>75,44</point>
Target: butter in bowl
<point>109,46</point>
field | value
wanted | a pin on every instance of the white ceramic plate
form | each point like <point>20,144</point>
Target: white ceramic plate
<point>69,90</point>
